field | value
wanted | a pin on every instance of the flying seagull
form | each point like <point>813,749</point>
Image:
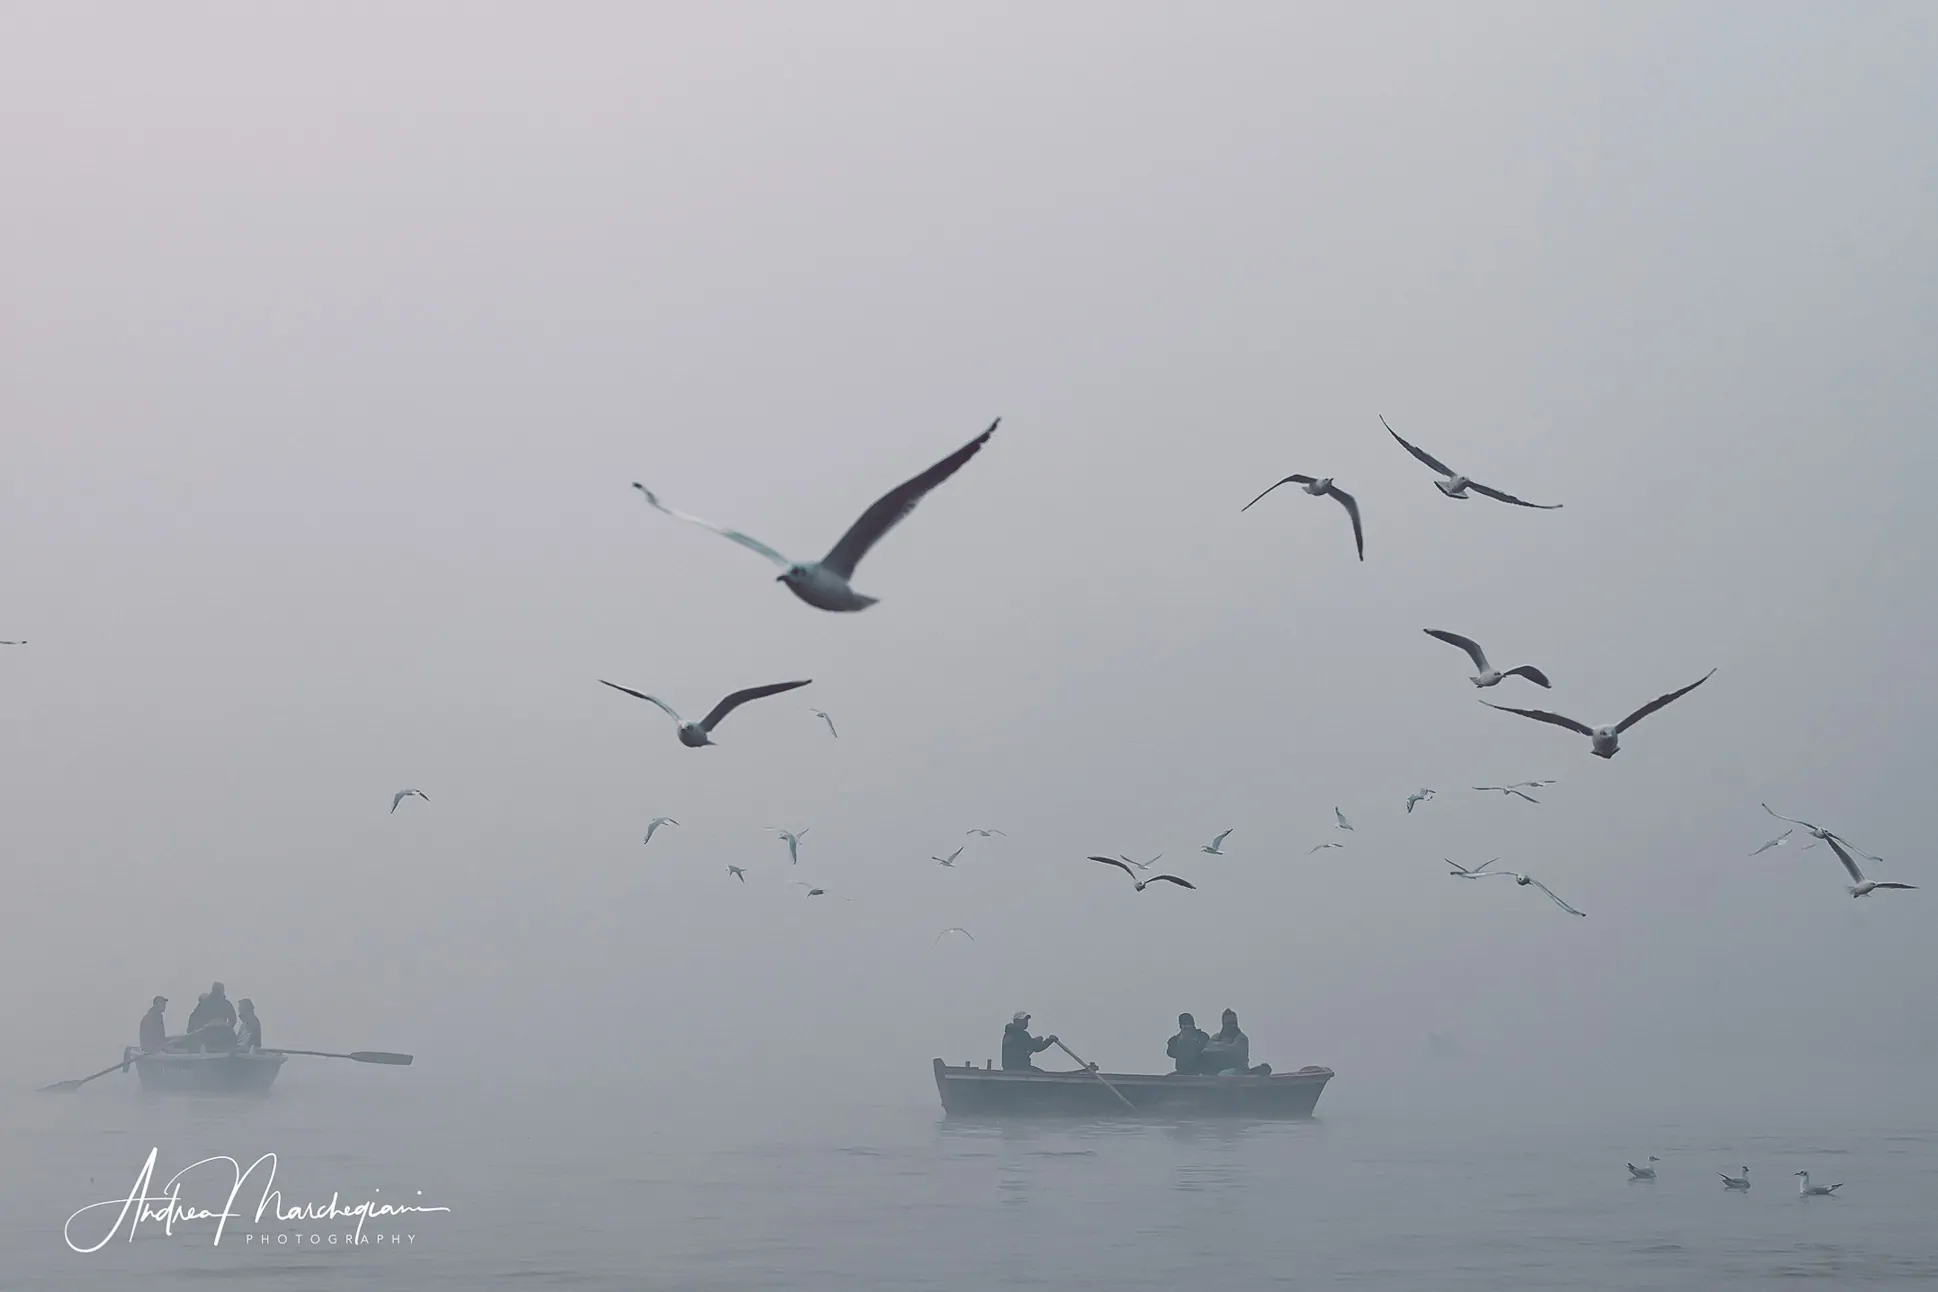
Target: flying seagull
<point>984,833</point>
<point>955,928</point>
<point>1344,824</point>
<point>655,824</point>
<point>1820,833</point>
<point>793,842</point>
<point>1215,845</point>
<point>22,642</point>
<point>1740,1183</point>
<point>1320,846</point>
<point>737,873</point>
<point>1604,741</point>
<point>1320,487</point>
<point>1461,872</point>
<point>823,715</point>
<point>1860,886</point>
<point>1516,790</point>
<point>1457,485</point>
<point>1142,884</point>
<point>812,891</point>
<point>1643,1172</point>
<point>1525,880</point>
<point>1141,865</point>
<point>695,734</point>
<point>1774,843</point>
<point>1488,675</point>
<point>823,584</point>
<point>1805,1189</point>
<point>401,795</point>
<point>1422,795</point>
<point>949,860</point>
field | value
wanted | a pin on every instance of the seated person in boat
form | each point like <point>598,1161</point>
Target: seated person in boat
<point>154,1033</point>
<point>1019,1045</point>
<point>248,1026</point>
<point>1230,1049</point>
<point>213,1008</point>
<point>1188,1046</point>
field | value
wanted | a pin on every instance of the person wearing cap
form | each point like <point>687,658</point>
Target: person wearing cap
<point>154,1033</point>
<point>1188,1046</point>
<point>1230,1049</point>
<point>248,1026</point>
<point>1019,1045</point>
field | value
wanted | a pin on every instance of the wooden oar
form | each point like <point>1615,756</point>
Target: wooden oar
<point>69,1087</point>
<point>355,1056</point>
<point>1100,1076</point>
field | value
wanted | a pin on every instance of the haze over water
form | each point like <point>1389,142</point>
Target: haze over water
<point>331,342</point>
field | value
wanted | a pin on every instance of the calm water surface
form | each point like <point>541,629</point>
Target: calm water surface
<point>1428,1183</point>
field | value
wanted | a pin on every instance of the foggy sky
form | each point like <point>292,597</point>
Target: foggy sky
<point>331,340</point>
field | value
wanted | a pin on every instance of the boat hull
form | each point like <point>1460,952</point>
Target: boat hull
<point>207,1074</point>
<point>984,1092</point>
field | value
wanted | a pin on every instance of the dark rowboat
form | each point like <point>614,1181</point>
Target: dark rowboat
<point>240,1073</point>
<point>985,1092</point>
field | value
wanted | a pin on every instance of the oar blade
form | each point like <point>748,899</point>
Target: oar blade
<point>382,1056</point>
<point>61,1087</point>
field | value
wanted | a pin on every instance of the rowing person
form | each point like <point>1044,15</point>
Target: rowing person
<point>1019,1045</point>
<point>154,1032</point>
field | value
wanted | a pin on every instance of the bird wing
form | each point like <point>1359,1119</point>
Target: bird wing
<point>1524,794</point>
<point>955,854</point>
<point>1542,715</point>
<point>1556,900</point>
<point>1343,823</point>
<point>1287,480</point>
<point>1658,702</point>
<point>1857,876</point>
<point>739,698</point>
<point>1219,842</point>
<point>1351,505</point>
<point>1897,885</point>
<point>1419,453</point>
<point>1773,843</point>
<point>1530,672</point>
<point>397,798</point>
<point>641,695</point>
<point>1468,644</point>
<point>822,713</point>
<point>745,540</point>
<point>1496,494</point>
<point>1141,865</point>
<point>894,506</point>
<point>1792,820</point>
<point>1171,879</point>
<point>1121,865</point>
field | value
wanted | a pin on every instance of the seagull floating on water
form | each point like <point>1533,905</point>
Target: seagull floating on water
<point>401,795</point>
<point>1488,674</point>
<point>949,860</point>
<point>1323,487</point>
<point>1643,1172</point>
<point>1212,848</point>
<point>823,584</point>
<point>1142,884</point>
<point>1740,1183</point>
<point>1860,886</point>
<point>1774,843</point>
<point>793,842</point>
<point>737,873</point>
<point>1461,872</point>
<point>1604,742</point>
<point>1805,1189</point>
<point>695,734</point>
<point>655,824</point>
<point>984,833</point>
<point>1524,881</point>
<point>1344,824</point>
<point>1418,796</point>
<point>823,715</point>
<point>955,928</point>
<point>1457,485</point>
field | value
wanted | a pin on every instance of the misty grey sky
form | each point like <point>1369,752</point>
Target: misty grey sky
<point>332,338</point>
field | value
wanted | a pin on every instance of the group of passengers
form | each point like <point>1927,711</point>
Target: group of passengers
<point>1195,1053</point>
<point>215,1025</point>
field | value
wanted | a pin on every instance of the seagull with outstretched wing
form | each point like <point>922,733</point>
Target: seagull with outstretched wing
<point>1142,884</point>
<point>1604,742</point>
<point>695,734</point>
<point>1323,487</point>
<point>1488,675</point>
<point>1456,485</point>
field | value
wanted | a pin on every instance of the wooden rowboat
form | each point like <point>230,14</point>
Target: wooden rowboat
<point>970,1091</point>
<point>239,1073</point>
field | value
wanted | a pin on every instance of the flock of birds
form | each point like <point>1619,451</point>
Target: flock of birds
<point>1740,1183</point>
<point>826,584</point>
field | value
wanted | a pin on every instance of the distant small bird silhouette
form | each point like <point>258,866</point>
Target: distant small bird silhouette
<point>655,824</point>
<point>1213,847</point>
<point>955,928</point>
<point>401,795</point>
<point>984,833</point>
<point>1344,824</point>
<point>823,715</point>
<point>949,860</point>
<point>1319,847</point>
<point>1462,872</point>
<point>1643,1172</point>
<point>737,873</point>
<point>793,842</point>
<point>1418,796</point>
<point>1805,1189</point>
<point>1774,843</point>
<point>1740,1183</point>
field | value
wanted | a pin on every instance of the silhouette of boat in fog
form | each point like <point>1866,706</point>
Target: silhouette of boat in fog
<point>969,1091</point>
<point>238,1073</point>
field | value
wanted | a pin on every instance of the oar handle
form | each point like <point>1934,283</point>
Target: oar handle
<point>1093,1072</point>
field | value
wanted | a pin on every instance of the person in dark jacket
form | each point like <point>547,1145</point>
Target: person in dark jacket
<point>248,1026</point>
<point>1019,1045</point>
<point>1230,1048</point>
<point>1188,1046</point>
<point>154,1032</point>
<point>213,1008</point>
